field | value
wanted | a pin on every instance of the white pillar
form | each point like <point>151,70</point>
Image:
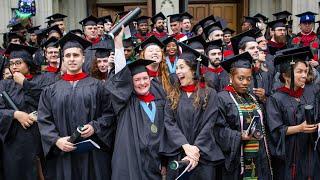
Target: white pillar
<point>76,10</point>
<point>44,9</point>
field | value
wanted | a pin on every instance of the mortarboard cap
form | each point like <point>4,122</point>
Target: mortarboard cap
<point>76,31</point>
<point>128,42</point>
<point>207,21</point>
<point>101,51</point>
<point>49,22</point>
<point>196,27</point>
<point>174,18</point>
<point>139,66</point>
<point>89,21</point>
<point>106,19</point>
<point>196,42</point>
<point>142,19</point>
<point>21,51</point>
<point>122,14</point>
<point>261,16</point>
<point>51,42</point>
<point>307,17</point>
<point>243,60</point>
<point>33,29</point>
<point>282,14</point>
<point>56,17</point>
<point>169,39</point>
<point>193,56</point>
<point>185,15</point>
<point>252,20</point>
<point>52,29</point>
<point>228,31</point>
<point>16,27</point>
<point>71,40</point>
<point>277,23</point>
<point>212,27</point>
<point>242,38</point>
<point>13,35</point>
<point>216,44</point>
<point>158,16</point>
<point>287,58</point>
<point>151,40</point>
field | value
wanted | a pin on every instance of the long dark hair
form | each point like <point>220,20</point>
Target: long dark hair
<point>95,72</point>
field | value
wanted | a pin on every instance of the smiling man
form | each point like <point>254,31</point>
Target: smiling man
<point>75,100</point>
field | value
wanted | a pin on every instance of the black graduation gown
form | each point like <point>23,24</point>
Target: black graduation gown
<point>190,125</point>
<point>39,57</point>
<point>90,55</point>
<point>283,111</point>
<point>227,133</point>
<point>212,80</point>
<point>21,147</point>
<point>62,108</point>
<point>217,81</point>
<point>136,148</point>
<point>261,80</point>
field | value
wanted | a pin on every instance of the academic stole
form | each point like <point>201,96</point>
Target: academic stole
<point>250,144</point>
<point>151,113</point>
<point>172,68</point>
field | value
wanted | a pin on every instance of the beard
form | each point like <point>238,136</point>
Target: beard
<point>215,63</point>
<point>280,39</point>
<point>160,29</point>
<point>143,33</point>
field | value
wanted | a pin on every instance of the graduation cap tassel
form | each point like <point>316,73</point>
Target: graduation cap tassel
<point>60,64</point>
<point>197,77</point>
<point>292,76</point>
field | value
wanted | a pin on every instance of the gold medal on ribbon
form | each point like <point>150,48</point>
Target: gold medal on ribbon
<point>154,128</point>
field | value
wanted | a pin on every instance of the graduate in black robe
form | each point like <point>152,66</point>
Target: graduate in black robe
<point>215,76</point>
<point>139,126</point>
<point>52,55</point>
<point>19,133</point>
<point>73,101</point>
<point>246,156</point>
<point>158,71</point>
<point>260,84</point>
<point>292,137</point>
<point>171,50</point>
<point>188,122</point>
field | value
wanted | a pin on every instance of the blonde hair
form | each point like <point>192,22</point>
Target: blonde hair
<point>163,72</point>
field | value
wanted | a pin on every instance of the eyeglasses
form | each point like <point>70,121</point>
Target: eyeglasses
<point>17,63</point>
<point>53,52</point>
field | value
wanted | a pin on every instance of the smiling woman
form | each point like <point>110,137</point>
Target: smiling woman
<point>139,106</point>
<point>188,119</point>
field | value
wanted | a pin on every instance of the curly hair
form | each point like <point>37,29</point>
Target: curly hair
<point>95,72</point>
<point>163,72</point>
<point>174,94</point>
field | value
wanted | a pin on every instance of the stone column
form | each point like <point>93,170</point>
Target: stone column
<point>44,9</point>
<point>76,10</point>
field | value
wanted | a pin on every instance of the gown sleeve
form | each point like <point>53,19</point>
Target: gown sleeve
<point>228,139</point>
<point>205,140</point>
<point>6,116</point>
<point>173,138</point>
<point>47,127</point>
<point>276,127</point>
<point>104,125</point>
